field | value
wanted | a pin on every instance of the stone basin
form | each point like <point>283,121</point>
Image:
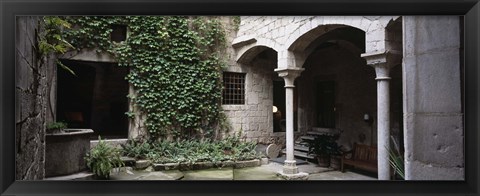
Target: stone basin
<point>65,151</point>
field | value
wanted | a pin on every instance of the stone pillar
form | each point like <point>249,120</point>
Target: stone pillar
<point>289,75</point>
<point>383,62</point>
<point>432,83</point>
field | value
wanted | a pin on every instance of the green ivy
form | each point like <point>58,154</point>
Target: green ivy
<point>51,39</point>
<point>175,67</point>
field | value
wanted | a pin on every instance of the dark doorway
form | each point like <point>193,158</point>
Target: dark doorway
<point>95,98</point>
<point>326,104</point>
<point>279,103</point>
<point>279,117</point>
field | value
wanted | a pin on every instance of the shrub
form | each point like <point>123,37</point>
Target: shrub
<point>192,151</point>
<point>102,159</point>
<point>56,125</point>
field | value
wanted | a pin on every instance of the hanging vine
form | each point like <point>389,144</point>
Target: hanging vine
<point>175,67</point>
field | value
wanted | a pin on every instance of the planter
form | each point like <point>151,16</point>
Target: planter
<point>335,162</point>
<point>323,160</point>
<point>65,151</point>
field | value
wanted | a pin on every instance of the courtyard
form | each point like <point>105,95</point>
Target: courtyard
<point>263,172</point>
<point>184,85</point>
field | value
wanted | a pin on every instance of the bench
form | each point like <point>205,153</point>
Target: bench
<point>363,157</point>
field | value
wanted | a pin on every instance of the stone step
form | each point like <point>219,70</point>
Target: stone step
<point>301,148</point>
<point>303,155</point>
<point>306,137</point>
<point>300,154</point>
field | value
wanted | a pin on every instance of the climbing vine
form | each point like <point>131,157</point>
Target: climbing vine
<point>51,39</point>
<point>175,67</point>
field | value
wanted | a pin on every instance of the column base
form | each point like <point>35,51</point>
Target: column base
<point>290,167</point>
<point>297,176</point>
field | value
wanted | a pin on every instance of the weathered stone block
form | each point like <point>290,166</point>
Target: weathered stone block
<point>185,166</point>
<point>128,161</point>
<point>416,170</point>
<point>142,164</point>
<point>249,163</point>
<point>165,166</point>
<point>433,82</point>
<point>202,165</point>
<point>228,164</point>
<point>435,139</point>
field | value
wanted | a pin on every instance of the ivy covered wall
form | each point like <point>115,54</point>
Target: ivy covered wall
<point>175,68</point>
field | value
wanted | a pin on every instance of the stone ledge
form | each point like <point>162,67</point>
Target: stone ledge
<point>166,166</point>
<point>142,164</point>
<point>208,165</point>
<point>249,163</point>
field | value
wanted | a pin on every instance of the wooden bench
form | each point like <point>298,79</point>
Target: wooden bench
<point>363,157</point>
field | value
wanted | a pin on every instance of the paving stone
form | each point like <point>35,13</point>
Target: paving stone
<point>337,175</point>
<point>209,174</point>
<point>128,174</point>
<point>164,175</point>
<point>255,173</point>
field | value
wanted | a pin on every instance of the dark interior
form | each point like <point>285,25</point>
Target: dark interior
<point>93,98</point>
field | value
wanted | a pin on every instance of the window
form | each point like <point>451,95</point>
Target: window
<point>233,88</point>
<point>119,33</point>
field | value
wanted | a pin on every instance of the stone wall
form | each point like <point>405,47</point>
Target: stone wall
<point>434,135</point>
<point>280,32</point>
<point>254,118</point>
<point>30,107</point>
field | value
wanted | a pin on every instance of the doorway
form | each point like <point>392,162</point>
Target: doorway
<point>94,98</point>
<point>326,104</point>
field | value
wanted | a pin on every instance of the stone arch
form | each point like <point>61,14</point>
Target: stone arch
<point>252,48</point>
<point>305,44</point>
<point>320,25</point>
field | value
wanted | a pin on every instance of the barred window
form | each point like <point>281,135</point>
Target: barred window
<point>233,88</point>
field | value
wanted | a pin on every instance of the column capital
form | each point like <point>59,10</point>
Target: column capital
<point>289,74</point>
<point>383,62</point>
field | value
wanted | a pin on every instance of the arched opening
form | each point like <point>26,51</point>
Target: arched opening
<point>337,88</point>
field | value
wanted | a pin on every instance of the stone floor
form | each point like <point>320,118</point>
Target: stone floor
<point>264,172</point>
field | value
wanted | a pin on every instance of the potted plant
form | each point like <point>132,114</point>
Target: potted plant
<point>56,127</point>
<point>335,152</point>
<point>323,147</point>
<point>102,159</point>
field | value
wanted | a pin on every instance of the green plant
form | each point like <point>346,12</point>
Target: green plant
<point>52,39</point>
<point>324,145</point>
<point>102,159</point>
<point>192,151</point>
<point>157,50</point>
<point>395,158</point>
<point>56,125</point>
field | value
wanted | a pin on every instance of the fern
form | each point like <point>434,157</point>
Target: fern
<point>102,159</point>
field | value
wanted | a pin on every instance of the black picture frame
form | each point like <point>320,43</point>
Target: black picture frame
<point>9,9</point>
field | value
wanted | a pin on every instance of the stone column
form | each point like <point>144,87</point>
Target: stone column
<point>289,75</point>
<point>432,94</point>
<point>383,62</point>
